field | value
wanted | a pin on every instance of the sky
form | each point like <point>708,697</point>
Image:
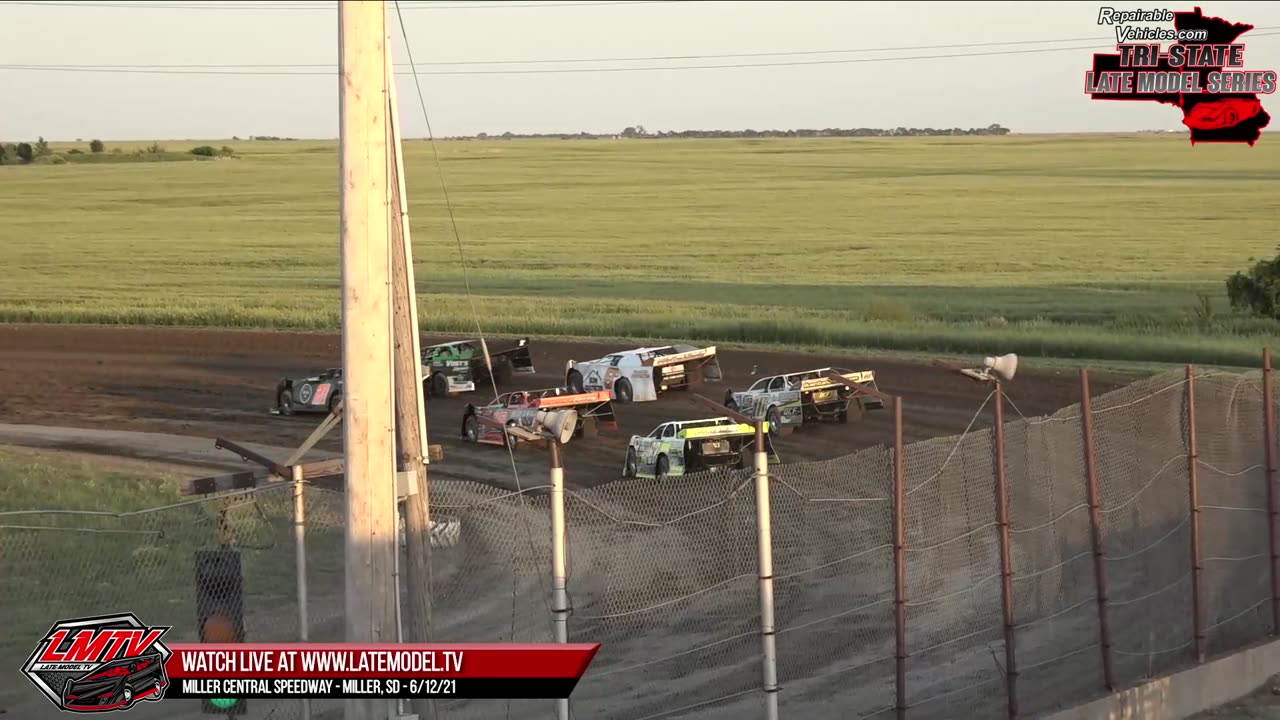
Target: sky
<point>850,64</point>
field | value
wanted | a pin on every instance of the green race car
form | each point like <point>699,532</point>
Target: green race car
<point>456,367</point>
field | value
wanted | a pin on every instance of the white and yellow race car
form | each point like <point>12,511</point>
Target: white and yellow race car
<point>787,401</point>
<point>681,447</point>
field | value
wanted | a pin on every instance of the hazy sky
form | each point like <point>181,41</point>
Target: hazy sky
<point>1026,91</point>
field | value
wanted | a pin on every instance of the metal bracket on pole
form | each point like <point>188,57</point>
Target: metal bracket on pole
<point>406,485</point>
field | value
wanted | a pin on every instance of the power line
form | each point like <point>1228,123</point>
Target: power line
<point>178,70</point>
<point>327,6</point>
<point>644,58</point>
<point>641,58</point>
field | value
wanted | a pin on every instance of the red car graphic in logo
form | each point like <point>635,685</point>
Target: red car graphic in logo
<point>1219,114</point>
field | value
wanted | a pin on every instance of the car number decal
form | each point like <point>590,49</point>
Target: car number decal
<point>322,393</point>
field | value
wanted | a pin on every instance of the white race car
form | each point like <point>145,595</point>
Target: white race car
<point>640,375</point>
<point>793,399</point>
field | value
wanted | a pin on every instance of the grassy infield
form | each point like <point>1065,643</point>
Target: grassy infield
<point>1075,248</point>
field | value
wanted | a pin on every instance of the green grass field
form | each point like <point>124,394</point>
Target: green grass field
<point>108,557</point>
<point>1071,247</point>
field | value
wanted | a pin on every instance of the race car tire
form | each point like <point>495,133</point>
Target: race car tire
<point>128,696</point>
<point>775,423</point>
<point>512,442</point>
<point>471,429</point>
<point>285,402</point>
<point>622,390</point>
<point>335,401</point>
<point>630,469</point>
<point>439,386</point>
<point>159,690</point>
<point>662,467</point>
<point>574,382</point>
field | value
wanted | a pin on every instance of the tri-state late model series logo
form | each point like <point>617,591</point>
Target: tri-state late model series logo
<point>99,664</point>
<point>1201,71</point>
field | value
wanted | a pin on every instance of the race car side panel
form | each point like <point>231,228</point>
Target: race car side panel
<point>757,404</point>
<point>648,450</point>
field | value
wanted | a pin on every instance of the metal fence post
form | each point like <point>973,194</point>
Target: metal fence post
<point>1193,474</point>
<point>559,570</point>
<point>899,560</point>
<point>1269,430</point>
<point>1095,528</point>
<point>300,556</point>
<point>764,542</point>
<point>1006,561</point>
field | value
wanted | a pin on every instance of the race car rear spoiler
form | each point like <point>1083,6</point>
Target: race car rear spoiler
<point>737,430</point>
<point>719,431</point>
<point>824,381</point>
<point>598,405</point>
<point>704,358</point>
<point>519,358</point>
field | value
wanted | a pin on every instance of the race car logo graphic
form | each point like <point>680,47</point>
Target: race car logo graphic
<point>1224,113</point>
<point>99,664</point>
<point>304,393</point>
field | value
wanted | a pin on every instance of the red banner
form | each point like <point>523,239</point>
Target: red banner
<point>386,660</point>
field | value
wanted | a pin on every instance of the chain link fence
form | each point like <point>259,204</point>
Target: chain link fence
<point>663,573</point>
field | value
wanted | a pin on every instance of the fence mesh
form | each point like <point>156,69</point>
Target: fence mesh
<point>664,573</point>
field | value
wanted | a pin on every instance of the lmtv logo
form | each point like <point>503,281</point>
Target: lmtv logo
<point>100,663</point>
<point>93,647</point>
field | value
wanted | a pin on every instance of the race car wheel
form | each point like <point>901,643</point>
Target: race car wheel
<point>630,470</point>
<point>335,401</point>
<point>439,386</point>
<point>662,467</point>
<point>511,439</point>
<point>574,381</point>
<point>159,690</point>
<point>471,429</point>
<point>775,422</point>
<point>285,401</point>
<point>622,390</point>
<point>128,695</point>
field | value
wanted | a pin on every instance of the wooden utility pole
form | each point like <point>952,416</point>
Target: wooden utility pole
<point>368,437</point>
<point>411,432</point>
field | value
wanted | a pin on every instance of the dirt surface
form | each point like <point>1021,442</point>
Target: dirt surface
<point>219,383</point>
<point>1262,704</point>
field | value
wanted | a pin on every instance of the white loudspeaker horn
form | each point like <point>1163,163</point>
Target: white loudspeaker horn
<point>1003,367</point>
<point>559,423</point>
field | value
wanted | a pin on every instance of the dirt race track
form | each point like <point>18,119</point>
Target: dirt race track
<point>219,383</point>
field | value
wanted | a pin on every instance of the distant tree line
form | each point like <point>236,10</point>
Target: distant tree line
<point>39,153</point>
<point>639,132</point>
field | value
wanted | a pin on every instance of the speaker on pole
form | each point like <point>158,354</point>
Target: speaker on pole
<point>1003,367</point>
<point>561,424</point>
